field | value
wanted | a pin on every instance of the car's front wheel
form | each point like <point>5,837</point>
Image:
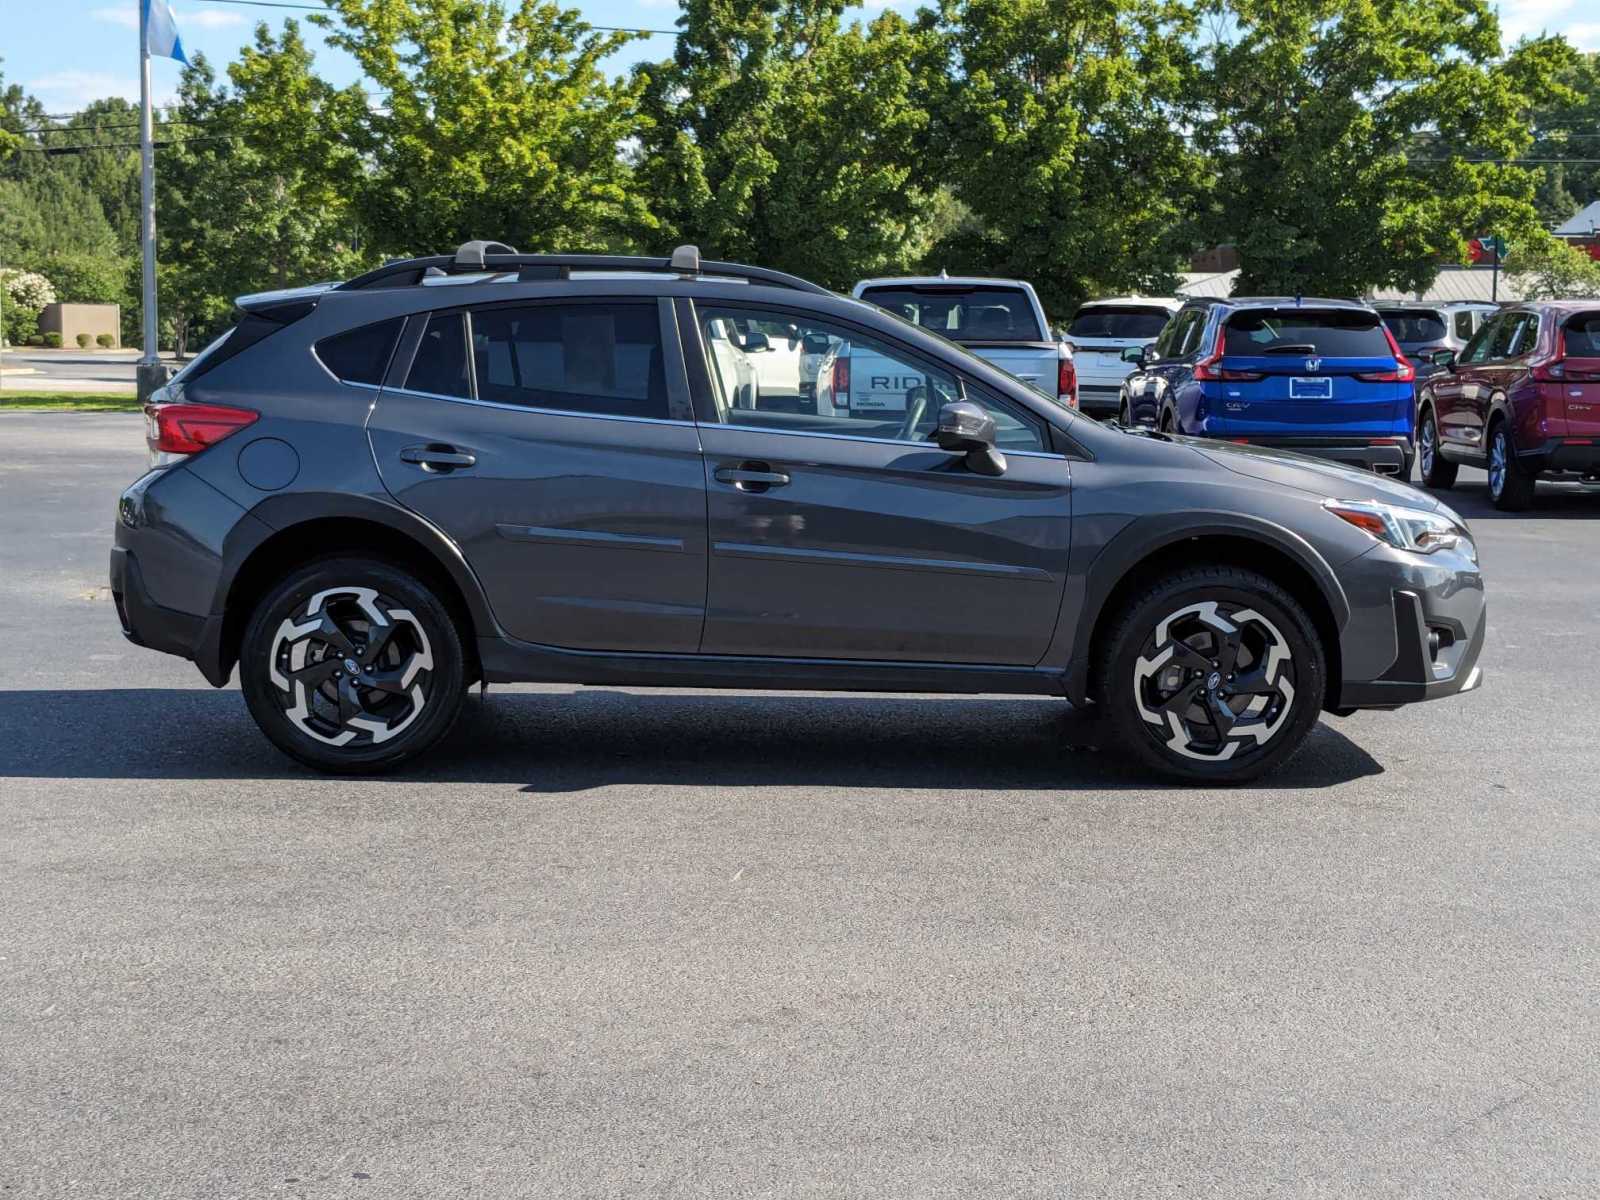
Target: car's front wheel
<point>352,665</point>
<point>1212,675</point>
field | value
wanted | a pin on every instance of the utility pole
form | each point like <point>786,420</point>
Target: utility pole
<point>151,374</point>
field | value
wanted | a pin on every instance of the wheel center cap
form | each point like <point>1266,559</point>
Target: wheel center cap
<point>1213,681</point>
<point>352,666</point>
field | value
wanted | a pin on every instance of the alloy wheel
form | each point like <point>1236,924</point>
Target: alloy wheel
<point>1497,463</point>
<point>1427,437</point>
<point>1214,681</point>
<point>353,669</point>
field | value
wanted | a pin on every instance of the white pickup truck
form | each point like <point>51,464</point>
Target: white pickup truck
<point>999,320</point>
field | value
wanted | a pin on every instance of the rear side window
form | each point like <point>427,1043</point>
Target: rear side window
<point>1118,321</point>
<point>440,365</point>
<point>1332,333</point>
<point>361,355</point>
<point>1583,336</point>
<point>586,358</point>
<point>974,314</point>
<point>1410,325</point>
<point>1464,324</point>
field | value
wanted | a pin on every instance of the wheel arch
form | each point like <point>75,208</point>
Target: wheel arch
<point>1145,551</point>
<point>298,528</point>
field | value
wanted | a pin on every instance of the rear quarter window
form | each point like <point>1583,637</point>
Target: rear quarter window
<point>361,355</point>
<point>1333,333</point>
<point>1118,321</point>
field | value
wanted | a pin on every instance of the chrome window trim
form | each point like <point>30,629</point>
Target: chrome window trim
<point>876,441</point>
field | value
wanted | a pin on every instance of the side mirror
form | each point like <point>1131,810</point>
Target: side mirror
<point>966,428</point>
<point>1133,354</point>
<point>816,343</point>
<point>1443,358</point>
<point>755,341</point>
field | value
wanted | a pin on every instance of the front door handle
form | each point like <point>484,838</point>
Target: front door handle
<point>438,457</point>
<point>751,477</point>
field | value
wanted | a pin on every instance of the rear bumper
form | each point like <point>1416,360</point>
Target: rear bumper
<point>146,623</point>
<point>1387,458</point>
<point>1096,398</point>
<point>1564,455</point>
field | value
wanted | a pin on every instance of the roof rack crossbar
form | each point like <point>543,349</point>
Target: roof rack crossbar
<point>486,257</point>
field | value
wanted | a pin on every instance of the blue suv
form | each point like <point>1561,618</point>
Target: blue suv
<point>1321,377</point>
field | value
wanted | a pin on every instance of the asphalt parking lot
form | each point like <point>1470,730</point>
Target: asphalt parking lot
<point>626,943</point>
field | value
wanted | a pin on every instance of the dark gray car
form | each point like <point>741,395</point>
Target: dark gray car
<point>519,467</point>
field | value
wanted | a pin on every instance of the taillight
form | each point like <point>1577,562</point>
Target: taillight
<point>841,382</point>
<point>1207,371</point>
<point>1403,371</point>
<point>1554,368</point>
<point>174,430</point>
<point>1067,382</point>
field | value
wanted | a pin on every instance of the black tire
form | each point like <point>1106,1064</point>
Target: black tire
<point>1169,424</point>
<point>1438,472</point>
<point>1284,669</point>
<point>410,676</point>
<point>1511,487</point>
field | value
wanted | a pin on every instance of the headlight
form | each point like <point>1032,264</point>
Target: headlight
<point>1405,528</point>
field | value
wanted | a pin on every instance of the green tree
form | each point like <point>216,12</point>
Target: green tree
<point>1060,124</point>
<point>488,122</point>
<point>1546,268</point>
<point>1360,145</point>
<point>778,136</point>
<point>1568,127</point>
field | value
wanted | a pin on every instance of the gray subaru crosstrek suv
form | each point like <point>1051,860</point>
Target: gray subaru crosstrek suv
<point>504,467</point>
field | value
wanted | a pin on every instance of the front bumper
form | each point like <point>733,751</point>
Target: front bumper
<point>1385,458</point>
<point>1437,638</point>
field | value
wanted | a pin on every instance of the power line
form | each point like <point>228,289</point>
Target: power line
<point>322,8</point>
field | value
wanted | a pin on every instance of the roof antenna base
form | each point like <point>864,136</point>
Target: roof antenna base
<point>471,254</point>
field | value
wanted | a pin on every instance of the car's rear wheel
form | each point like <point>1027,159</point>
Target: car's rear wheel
<point>1437,471</point>
<point>1212,675</point>
<point>352,665</point>
<point>1168,424</point>
<point>1510,486</point>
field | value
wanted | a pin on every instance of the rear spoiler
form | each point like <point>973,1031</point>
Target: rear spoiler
<point>285,305</point>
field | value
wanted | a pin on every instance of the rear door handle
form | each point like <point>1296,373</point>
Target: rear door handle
<point>751,477</point>
<point>438,458</point>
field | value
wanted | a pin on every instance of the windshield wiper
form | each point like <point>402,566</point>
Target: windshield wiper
<point>1297,348</point>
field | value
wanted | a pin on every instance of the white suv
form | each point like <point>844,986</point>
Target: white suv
<point>1100,331</point>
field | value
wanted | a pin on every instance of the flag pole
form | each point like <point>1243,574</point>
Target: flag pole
<point>150,373</point>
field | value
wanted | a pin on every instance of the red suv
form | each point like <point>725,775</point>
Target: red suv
<point>1522,400</point>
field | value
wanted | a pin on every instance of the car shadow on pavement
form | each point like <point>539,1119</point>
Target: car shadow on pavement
<point>555,742</point>
<point>1551,501</point>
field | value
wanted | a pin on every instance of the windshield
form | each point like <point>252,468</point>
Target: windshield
<point>1332,333</point>
<point>967,312</point>
<point>1413,325</point>
<point>1118,321</point>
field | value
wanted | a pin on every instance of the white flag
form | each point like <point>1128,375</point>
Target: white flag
<point>161,31</point>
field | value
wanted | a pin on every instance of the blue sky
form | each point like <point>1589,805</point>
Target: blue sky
<point>73,51</point>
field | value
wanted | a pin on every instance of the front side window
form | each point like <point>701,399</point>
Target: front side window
<point>1176,332</point>
<point>585,358</point>
<point>795,373</point>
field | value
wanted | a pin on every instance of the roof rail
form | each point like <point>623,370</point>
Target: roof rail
<point>478,256</point>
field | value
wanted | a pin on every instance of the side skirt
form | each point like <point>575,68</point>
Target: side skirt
<point>507,661</point>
